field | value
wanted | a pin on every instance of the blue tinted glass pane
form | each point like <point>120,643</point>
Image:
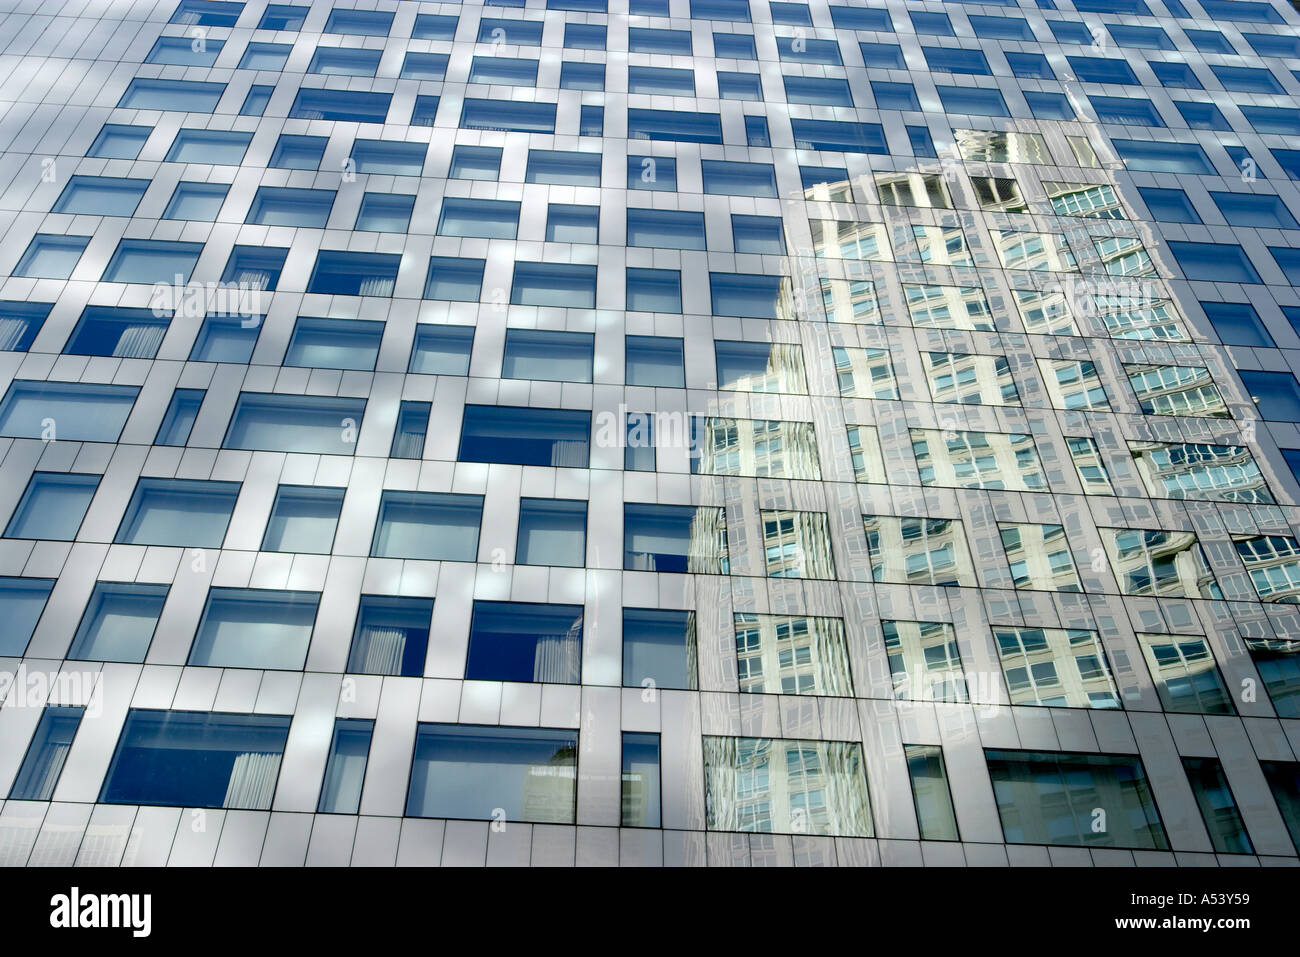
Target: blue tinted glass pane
<point>861,18</point>
<point>513,641</point>
<point>119,622</point>
<point>119,142</point>
<point>1102,70</point>
<point>1049,106</point>
<point>152,261</point>
<point>183,95</point>
<point>510,115</point>
<point>118,331</point>
<point>1254,209</point>
<point>736,46</point>
<point>282,206</point>
<point>372,23</point>
<point>548,355</point>
<point>552,532</point>
<point>956,60</point>
<point>512,32</point>
<point>303,519</point>
<point>458,280</point>
<point>654,361</point>
<point>1202,116</point>
<point>885,56</point>
<point>559,168</point>
<point>19,324</point>
<point>51,257</point>
<point>334,343</point>
<point>1033,66</point>
<point>100,196</point>
<point>655,648</point>
<point>654,290</point>
<point>346,105</point>
<point>298,152</point>
<point>837,135</point>
<point>505,71</point>
<point>432,26</point>
<point>255,104</point>
<point>553,284</point>
<point>52,506</point>
<point>178,512</point>
<point>673,125</point>
<point>1216,262</point>
<point>179,419</point>
<point>1125,110</point>
<point>582,76</point>
<point>1237,324</point>
<point>647,40</point>
<point>428,526</point>
<point>345,771</point>
<point>652,172</point>
<point>475,162</point>
<point>257,267</point>
<point>385,212</point>
<point>1169,205</point>
<point>295,423</point>
<point>391,638</point>
<point>21,602</point>
<point>737,294</point>
<point>265,56</point>
<point>47,753</point>
<point>340,61</point>
<point>354,274</point>
<point>739,179</point>
<point>78,412</point>
<point>973,101</point>
<point>1178,76</point>
<point>525,436</point>
<point>894,96</point>
<point>424,66</point>
<point>255,628</point>
<point>283,16</point>
<point>196,759</point>
<point>219,147</point>
<point>441,350</point>
<point>1163,157</point>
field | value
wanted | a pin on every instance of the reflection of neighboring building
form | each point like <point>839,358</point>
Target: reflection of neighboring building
<point>792,655</point>
<point>970,379</point>
<point>924,661</point>
<point>1056,667</point>
<point>1176,390</point>
<point>865,373</point>
<point>1191,470</point>
<point>797,544</point>
<point>754,447</point>
<point>1039,557</point>
<point>1273,563</point>
<point>994,460</point>
<point>1156,562</point>
<point>918,551</point>
<point>1087,200</point>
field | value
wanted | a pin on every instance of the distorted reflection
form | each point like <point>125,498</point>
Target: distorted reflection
<point>784,654</point>
<point>1000,194</point>
<point>1185,674</point>
<point>1128,318</point>
<point>918,551</point>
<point>970,379</point>
<point>1056,668</point>
<point>1273,562</point>
<point>1008,147</point>
<point>1086,455</point>
<point>1041,252</point>
<point>1074,384</point>
<point>850,300</point>
<point>1159,562</point>
<point>1085,200</point>
<point>850,240</point>
<point>926,190</point>
<point>1039,556</point>
<point>1045,312</point>
<point>760,367</point>
<point>864,451</point>
<point>949,307</point>
<point>1176,390</point>
<point>754,447</point>
<point>786,786</point>
<point>924,662</point>
<point>797,544</point>
<point>991,460</point>
<point>865,373</point>
<point>1225,473</point>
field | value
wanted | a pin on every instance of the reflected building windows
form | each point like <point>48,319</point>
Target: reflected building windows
<point>918,551</point>
<point>1185,674</point>
<point>924,661</point>
<point>784,654</point>
<point>1056,668</point>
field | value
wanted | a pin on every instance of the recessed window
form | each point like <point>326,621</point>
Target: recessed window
<point>652,172</point>
<point>323,425</point>
<point>512,32</point>
<point>348,106</point>
<point>207,13</point>
<point>39,774</point>
<point>101,196</point>
<point>457,280</point>
<point>1244,79</point>
<point>1214,262</point>
<point>257,100</point>
<point>1254,209</point>
<point>565,285</point>
<point>474,772</point>
<point>746,296</point>
<point>584,36</point>
<point>189,513</point>
<point>575,75</point>
<point>1150,156</point>
<point>823,785</point>
<point>281,206</point>
<point>956,60</point>
<point>150,261</point>
<point>736,46</point>
<point>918,551</point>
<point>654,361</point>
<point>973,101</point>
<point>354,274</point>
<point>303,519</point>
<point>659,648</point>
<point>432,26</point>
<point>934,23</point>
<point>503,71</point>
<point>649,40</point>
<point>883,56</point>
<point>298,152</point>
<point>391,636</point>
<point>650,79</point>
<point>552,532</point>
<point>1049,797</point>
<point>509,115</point>
<point>1057,668</point>
<point>1178,76</point>
<point>641,788</point>
<point>548,355</point>
<point>53,506</point>
<point>255,628</point>
<point>931,795</point>
<point>1202,116</point>
<point>51,257</point>
<point>345,771</point>
<point>739,179</point>
<point>1276,394</point>
<point>512,435</point>
<point>427,526</point>
<point>1000,28</point>
<point>1238,324</point>
<point>760,367</point>
<point>178,420</point>
<point>265,56</point>
<point>516,641</point>
<point>197,759</point>
<point>480,218</point>
<point>370,23</point>
<point>385,212</point>
<point>739,86</point>
<point>255,267</point>
<point>116,141</point>
<point>557,168</point>
<point>117,331</point>
<point>22,600</point>
<point>665,228</point>
<point>77,412</point>
<point>185,96</point>
<point>1114,70</point>
<point>804,49</point>
<point>572,224</point>
<point>119,622</point>
<point>424,66</point>
<point>674,125</point>
<point>441,349</point>
<point>410,431</point>
<point>675,538</point>
<point>344,61</point>
<point>654,290</point>
<point>200,202</point>
<point>837,136</point>
<point>334,343</point>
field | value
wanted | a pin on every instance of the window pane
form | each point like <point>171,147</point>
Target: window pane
<point>345,772</point>
<point>441,350</point>
<point>1218,808</point>
<point>640,779</point>
<point>47,753</point>
<point>514,641</point>
<point>119,622</point>
<point>196,759</point>
<point>781,654</point>
<point>658,648</point>
<point>303,519</point>
<point>474,772</point>
<point>427,526</point>
<point>548,356</point>
<point>930,793</point>
<point>525,436</point>
<point>65,410</point>
<point>295,423</point>
<point>391,636</point>
<point>552,532</point>
<point>255,628</point>
<point>22,600</point>
<point>334,343</point>
<point>52,506</point>
<point>675,538</point>
<point>178,512</point>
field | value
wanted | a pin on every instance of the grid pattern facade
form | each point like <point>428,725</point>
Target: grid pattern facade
<point>650,432</point>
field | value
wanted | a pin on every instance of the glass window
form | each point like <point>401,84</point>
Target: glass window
<point>760,367</point>
<point>674,538</point>
<point>582,76</point>
<point>116,141</point>
<point>559,168</point>
<point>883,56</point>
<point>756,132</point>
<point>200,202</point>
<point>797,544</point>
<point>226,339</point>
<point>1202,116</point>
<point>303,519</point>
<point>894,96</point>
<point>1029,66</point>
<point>1156,562</point>
<point>119,622</point>
<point>19,324</point>
<point>665,228</point>
<point>1214,262</point>
<point>973,101</point>
<point>861,18</point>
<point>100,196</point>
<point>255,628</point>
<point>1237,324</point>
<point>207,13</point>
<point>197,759</point>
<point>334,343</point>
<point>640,797</point>
<point>654,361</point>
<point>918,551</point>
<point>370,23</point>
<point>786,786</point>
<point>865,373</point>
<point>758,234</point>
<point>322,425</point>
<point>265,56</point>
<point>956,60</point>
<point>503,71</point>
<point>924,661</point>
<point>391,636</point>
<point>441,349</point>
<point>298,152</point>
<point>47,752</point>
<point>457,280</point>
<point>547,355</point>
<point>834,135</point>
<point>178,421</point>
<point>52,506</point>
<point>771,448</point>
<point>348,106</point>
<point>739,86</point>
<point>512,32</point>
<point>1054,667</point>
<point>1288,260</point>
<point>427,526</point>
<point>178,512</point>
<point>1274,44</point>
<point>1150,156</point>
<point>1178,76</point>
<point>674,125</point>
<point>930,793</point>
<point>117,331</point>
<point>992,460</point>
<point>1243,79</point>
<point>152,261</point>
<point>1000,28</point>
<point>412,427</point>
<point>1273,562</point>
<point>739,179</point>
<point>658,648</point>
<point>783,654</point>
<point>1254,209</point>
<point>516,641</point>
<point>345,61</point>
<point>1052,798</point>
<point>509,115</point>
<point>421,66</point>
<point>381,156</point>
<point>284,17</point>
<point>1276,394</point>
<point>432,26</point>
<point>736,46</point>
<point>475,772</point>
<point>1175,390</point>
<point>654,290</point>
<point>1039,557</point>
<point>969,379</point>
<point>552,532</point>
<point>354,274</point>
<point>572,224</point>
<point>570,286</point>
<point>638,442</point>
<point>187,96</point>
<point>385,212</point>
<point>257,100</point>
<point>22,600</point>
<point>281,206</point>
<point>345,771</point>
<point>1218,808</point>
<point>1125,110</point>
<point>51,257</point>
<point>584,36</point>
<point>525,436</point>
<point>651,40</point>
<point>1185,674</point>
<point>652,172</point>
<point>748,296</point>
<point>650,79</point>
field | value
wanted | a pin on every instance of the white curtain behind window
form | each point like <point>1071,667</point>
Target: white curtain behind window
<point>252,781</point>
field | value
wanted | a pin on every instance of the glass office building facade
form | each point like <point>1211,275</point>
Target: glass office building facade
<point>650,432</point>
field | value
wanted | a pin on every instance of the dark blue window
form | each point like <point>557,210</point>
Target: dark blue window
<point>1276,394</point>
<point>835,135</point>
<point>207,13</point>
<point>648,40</point>
<point>1140,38</point>
<point>509,115</point>
<point>974,101</point>
<point>1242,11</point>
<point>43,763</point>
<point>720,10</point>
<point>1202,116</point>
<point>747,296</point>
<point>1244,79</point>
<point>346,105</point>
<point>937,24</point>
<point>511,435</point>
<point>283,16</point>
<point>1049,106</point>
<point>1169,205</point>
<point>298,152</point>
<point>285,206</point>
<point>1032,66</point>
<point>1094,69</point>
<point>20,322</point>
<point>391,636</point>
<point>117,331</point>
<point>674,125</point>
<point>1177,76</point>
<point>1126,111</point>
<point>668,538</point>
<point>1214,262</point>
<point>1282,120</point>
<point>861,18</point>
<point>1070,31</point>
<point>189,96</point>
<point>1209,41</point>
<point>809,50</point>
<point>1237,324</point>
<point>956,60</point>
<point>736,46</point>
<point>884,56</point>
<point>819,91</point>
<point>1000,28</point>
<point>354,274</point>
<point>433,26</point>
<point>1254,209</point>
<point>256,266</point>
<point>369,23</point>
<point>894,96</point>
<point>1151,156</point>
